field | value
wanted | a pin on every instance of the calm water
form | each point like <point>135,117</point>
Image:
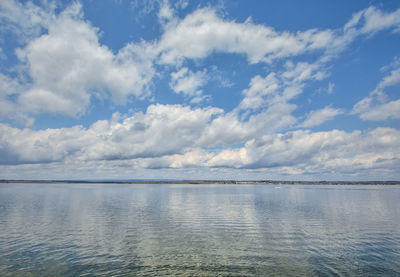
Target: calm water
<point>199,230</point>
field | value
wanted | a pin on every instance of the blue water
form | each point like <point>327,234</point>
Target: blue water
<point>199,230</point>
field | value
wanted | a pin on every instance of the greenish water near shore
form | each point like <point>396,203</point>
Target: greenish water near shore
<point>78,229</point>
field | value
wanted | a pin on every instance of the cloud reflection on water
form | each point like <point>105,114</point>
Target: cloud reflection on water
<point>250,229</point>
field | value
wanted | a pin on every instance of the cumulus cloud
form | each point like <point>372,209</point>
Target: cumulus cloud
<point>371,20</point>
<point>201,33</point>
<point>318,117</point>
<point>29,146</point>
<point>305,151</point>
<point>204,32</point>
<point>69,66</point>
<point>162,130</point>
<point>189,83</point>
<point>176,146</point>
<point>382,112</point>
<point>376,106</point>
<point>267,101</point>
<point>196,158</point>
<point>259,89</point>
<point>281,86</point>
<point>367,23</point>
<point>9,87</point>
<point>304,71</point>
<point>234,127</point>
<point>166,13</point>
<point>25,20</point>
<point>172,136</point>
<point>392,79</point>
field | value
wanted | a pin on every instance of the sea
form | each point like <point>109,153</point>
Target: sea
<point>103,229</point>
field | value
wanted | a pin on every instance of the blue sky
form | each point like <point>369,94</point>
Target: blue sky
<point>294,90</point>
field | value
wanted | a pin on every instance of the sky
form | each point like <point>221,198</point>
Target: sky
<point>158,89</point>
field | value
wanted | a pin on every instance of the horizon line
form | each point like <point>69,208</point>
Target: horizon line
<point>198,181</point>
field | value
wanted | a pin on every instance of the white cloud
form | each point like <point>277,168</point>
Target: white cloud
<point>9,85</point>
<point>320,152</point>
<point>25,20</point>
<point>196,158</point>
<point>266,102</point>
<point>229,129</point>
<point>220,78</point>
<point>390,80</point>
<point>6,108</point>
<point>365,104</point>
<point>188,83</point>
<point>259,89</point>
<point>162,130</point>
<point>376,20</point>
<point>382,112</point>
<point>395,64</point>
<point>303,71</point>
<point>334,153</point>
<point>315,118</point>
<point>376,106</point>
<point>69,66</point>
<point>368,22</point>
<point>331,86</point>
<point>201,33</point>
<point>30,146</point>
<point>166,13</point>
<point>281,86</point>
<point>169,137</point>
<point>182,4</point>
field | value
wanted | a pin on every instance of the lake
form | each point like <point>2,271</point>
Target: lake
<point>199,230</point>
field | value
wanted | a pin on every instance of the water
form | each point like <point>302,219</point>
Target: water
<point>199,230</point>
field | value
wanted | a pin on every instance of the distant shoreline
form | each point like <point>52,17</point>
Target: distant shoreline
<point>200,182</point>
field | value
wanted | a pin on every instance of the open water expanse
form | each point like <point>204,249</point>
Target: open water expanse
<point>199,230</point>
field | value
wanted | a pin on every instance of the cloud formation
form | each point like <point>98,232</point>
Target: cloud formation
<point>377,106</point>
<point>372,20</point>
<point>68,66</point>
<point>203,32</point>
<point>162,130</point>
<point>315,118</point>
<point>304,151</point>
<point>25,20</point>
<point>189,83</point>
<point>164,138</point>
<point>62,67</point>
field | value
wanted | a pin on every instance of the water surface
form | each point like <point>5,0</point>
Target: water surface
<point>199,230</point>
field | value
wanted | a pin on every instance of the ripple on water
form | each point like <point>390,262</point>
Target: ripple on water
<point>147,230</point>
